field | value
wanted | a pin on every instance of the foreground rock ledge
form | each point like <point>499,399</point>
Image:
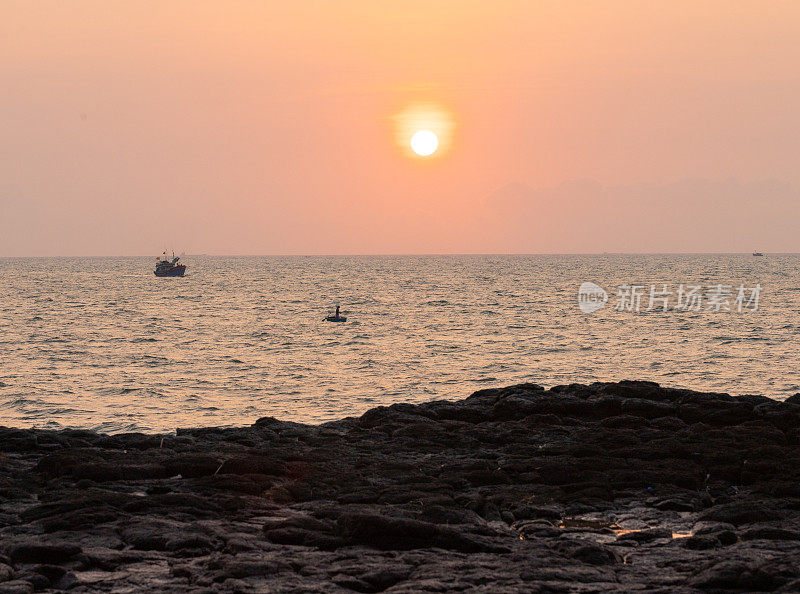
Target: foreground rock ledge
<point>609,487</point>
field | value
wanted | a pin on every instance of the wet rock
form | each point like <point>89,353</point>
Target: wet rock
<point>642,536</point>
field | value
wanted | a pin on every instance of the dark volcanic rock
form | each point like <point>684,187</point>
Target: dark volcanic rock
<point>390,533</point>
<point>34,552</point>
<point>769,533</point>
<point>513,489</point>
<point>701,543</point>
<point>16,587</point>
<point>741,512</point>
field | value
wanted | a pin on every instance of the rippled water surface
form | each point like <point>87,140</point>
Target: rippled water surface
<point>102,343</point>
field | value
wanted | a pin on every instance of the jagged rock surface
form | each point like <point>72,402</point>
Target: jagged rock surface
<point>608,487</point>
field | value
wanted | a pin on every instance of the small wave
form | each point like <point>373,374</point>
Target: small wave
<point>18,402</point>
<point>139,391</point>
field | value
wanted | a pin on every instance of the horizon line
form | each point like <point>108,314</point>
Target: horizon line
<point>405,254</point>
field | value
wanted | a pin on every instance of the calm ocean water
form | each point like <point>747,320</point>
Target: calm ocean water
<point>102,343</point>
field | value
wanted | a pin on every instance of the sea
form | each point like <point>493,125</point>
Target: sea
<point>103,344</point>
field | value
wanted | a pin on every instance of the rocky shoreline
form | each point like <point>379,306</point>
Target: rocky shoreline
<point>608,487</point>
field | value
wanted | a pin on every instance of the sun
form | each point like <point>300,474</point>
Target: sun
<point>424,143</point>
<point>424,131</point>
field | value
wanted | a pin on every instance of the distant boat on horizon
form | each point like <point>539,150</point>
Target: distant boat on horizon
<point>757,254</point>
<point>168,267</point>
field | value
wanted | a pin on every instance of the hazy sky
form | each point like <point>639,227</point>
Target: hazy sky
<point>271,127</point>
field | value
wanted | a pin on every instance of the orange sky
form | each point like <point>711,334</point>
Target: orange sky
<point>264,127</point>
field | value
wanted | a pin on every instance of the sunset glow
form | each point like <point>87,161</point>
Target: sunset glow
<point>424,130</point>
<point>248,121</point>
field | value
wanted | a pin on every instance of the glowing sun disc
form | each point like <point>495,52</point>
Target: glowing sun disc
<point>424,143</point>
